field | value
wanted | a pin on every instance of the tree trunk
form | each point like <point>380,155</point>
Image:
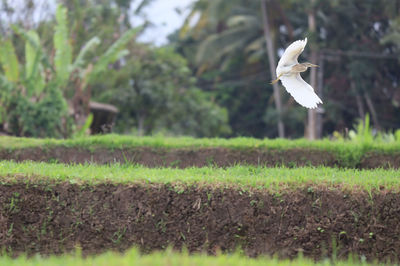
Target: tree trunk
<point>359,101</point>
<point>319,91</point>
<point>312,113</point>
<point>372,109</point>
<point>80,103</point>
<point>140,119</point>
<point>272,66</point>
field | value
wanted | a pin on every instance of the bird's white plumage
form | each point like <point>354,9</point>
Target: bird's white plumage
<point>301,91</point>
<point>291,54</point>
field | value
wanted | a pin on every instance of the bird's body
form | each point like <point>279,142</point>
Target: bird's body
<point>288,71</point>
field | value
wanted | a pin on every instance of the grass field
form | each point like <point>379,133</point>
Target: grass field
<point>117,142</point>
<point>168,151</point>
<point>243,176</point>
<point>15,179</point>
<point>169,258</point>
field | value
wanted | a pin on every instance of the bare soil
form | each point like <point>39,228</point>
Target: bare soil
<point>378,160</point>
<point>40,217</point>
<point>186,157</point>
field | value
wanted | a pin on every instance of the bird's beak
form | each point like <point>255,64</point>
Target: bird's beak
<point>312,65</point>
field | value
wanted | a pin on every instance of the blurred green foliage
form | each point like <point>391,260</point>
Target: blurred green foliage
<point>212,78</point>
<point>46,117</point>
<point>152,87</point>
<point>356,39</point>
<point>42,94</point>
<point>156,93</point>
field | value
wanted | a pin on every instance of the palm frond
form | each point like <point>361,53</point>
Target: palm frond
<point>142,5</point>
<point>219,44</point>
<point>9,60</point>
<point>257,45</point>
<point>186,27</point>
<point>238,20</point>
<point>28,38</point>
<point>31,53</point>
<point>33,68</point>
<point>113,53</point>
<point>79,61</point>
<point>63,56</point>
<point>6,88</point>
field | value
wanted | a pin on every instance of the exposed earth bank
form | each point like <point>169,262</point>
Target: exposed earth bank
<point>41,217</point>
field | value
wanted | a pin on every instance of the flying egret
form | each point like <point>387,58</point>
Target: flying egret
<point>288,72</point>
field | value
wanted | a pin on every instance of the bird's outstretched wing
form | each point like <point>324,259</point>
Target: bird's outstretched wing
<point>291,53</point>
<point>301,91</point>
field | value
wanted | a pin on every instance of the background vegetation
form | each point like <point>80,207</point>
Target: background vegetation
<point>210,80</point>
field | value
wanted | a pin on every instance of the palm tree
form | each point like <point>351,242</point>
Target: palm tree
<point>312,113</point>
<point>236,26</point>
<point>272,65</point>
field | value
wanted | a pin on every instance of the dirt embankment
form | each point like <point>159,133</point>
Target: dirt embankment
<point>185,157</point>
<point>52,219</point>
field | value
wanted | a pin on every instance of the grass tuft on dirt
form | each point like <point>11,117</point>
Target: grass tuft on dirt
<point>243,176</point>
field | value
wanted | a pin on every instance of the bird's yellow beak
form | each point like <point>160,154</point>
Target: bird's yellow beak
<point>312,65</point>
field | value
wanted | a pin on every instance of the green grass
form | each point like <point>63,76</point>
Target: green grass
<point>121,141</point>
<point>167,258</point>
<point>348,153</point>
<point>243,176</point>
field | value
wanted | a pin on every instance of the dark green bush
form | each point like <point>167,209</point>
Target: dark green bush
<point>47,117</point>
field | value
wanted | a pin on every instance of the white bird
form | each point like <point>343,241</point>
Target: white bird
<point>288,72</point>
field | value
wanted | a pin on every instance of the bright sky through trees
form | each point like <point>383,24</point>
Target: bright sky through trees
<point>166,16</point>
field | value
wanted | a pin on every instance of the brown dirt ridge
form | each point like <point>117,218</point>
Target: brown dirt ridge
<point>318,221</point>
<point>186,157</point>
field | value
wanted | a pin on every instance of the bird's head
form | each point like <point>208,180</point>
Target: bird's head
<point>308,64</point>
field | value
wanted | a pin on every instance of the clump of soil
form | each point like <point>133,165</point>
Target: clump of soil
<point>40,217</point>
<point>186,157</point>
